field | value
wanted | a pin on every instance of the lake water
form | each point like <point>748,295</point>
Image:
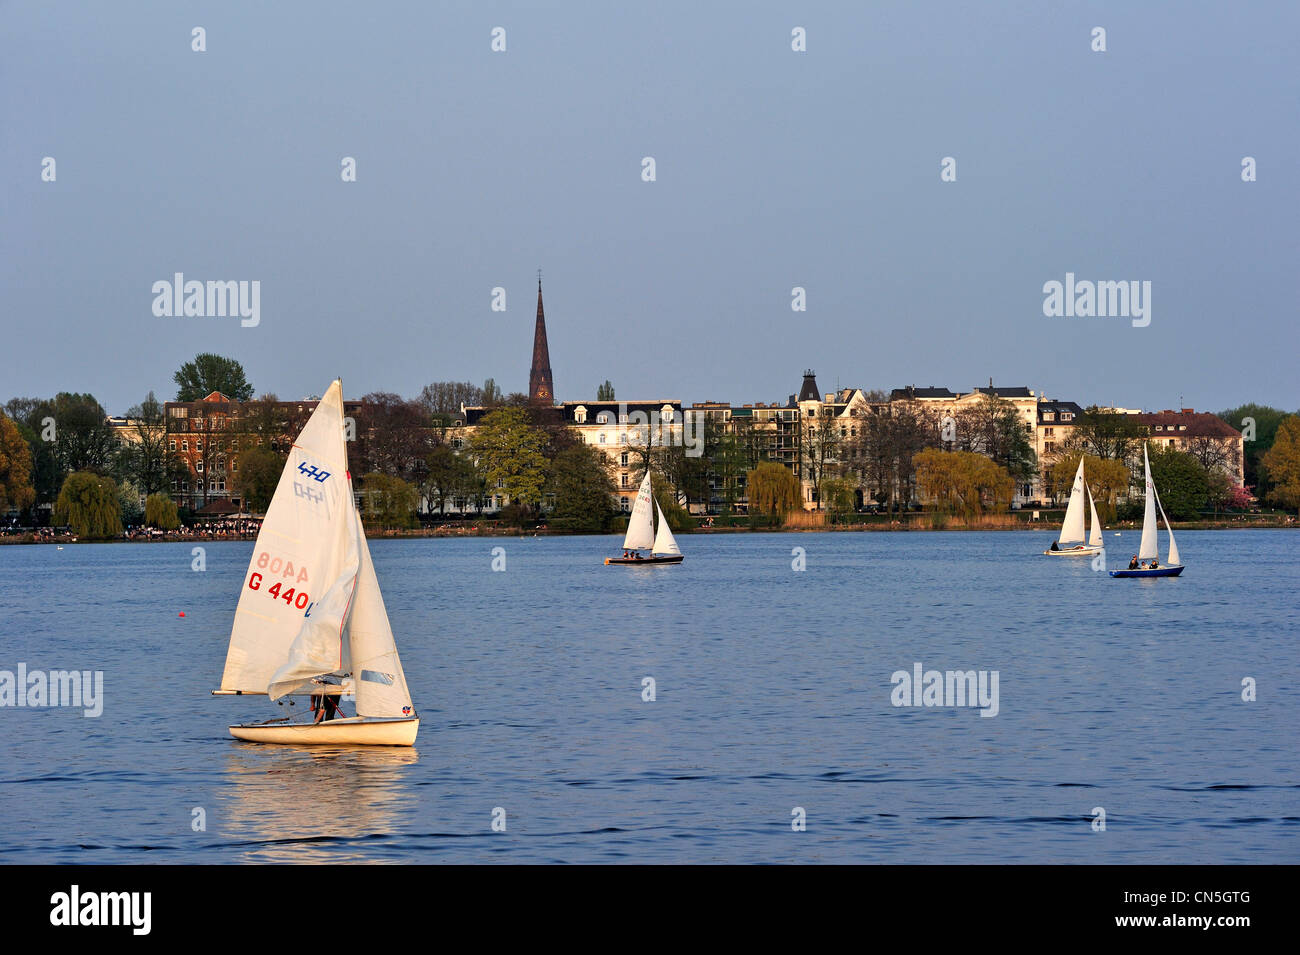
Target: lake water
<point>773,691</point>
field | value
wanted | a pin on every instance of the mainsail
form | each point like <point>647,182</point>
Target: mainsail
<point>1149,548</point>
<point>665,543</point>
<point>1072,529</point>
<point>300,579</point>
<point>640,527</point>
<point>1094,538</point>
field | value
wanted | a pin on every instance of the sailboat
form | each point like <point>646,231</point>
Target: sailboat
<point>1072,529</point>
<point>1148,555</point>
<point>641,534</point>
<point>311,620</point>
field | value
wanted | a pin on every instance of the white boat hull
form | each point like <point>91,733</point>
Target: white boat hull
<point>354,731</point>
<point>1086,550</point>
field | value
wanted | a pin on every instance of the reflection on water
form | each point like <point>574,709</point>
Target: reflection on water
<point>313,804</point>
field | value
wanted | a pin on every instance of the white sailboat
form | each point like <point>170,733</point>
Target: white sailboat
<point>641,534</point>
<point>311,619</point>
<point>1071,543</point>
<point>1146,562</point>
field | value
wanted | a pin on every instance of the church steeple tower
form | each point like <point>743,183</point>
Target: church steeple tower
<point>541,388</point>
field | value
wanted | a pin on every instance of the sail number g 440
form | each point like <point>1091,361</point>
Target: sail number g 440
<point>297,599</point>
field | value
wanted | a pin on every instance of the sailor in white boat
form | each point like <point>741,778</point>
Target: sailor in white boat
<point>325,708</point>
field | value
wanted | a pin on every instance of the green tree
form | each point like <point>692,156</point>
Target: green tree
<point>16,490</point>
<point>508,451</point>
<point>207,373</point>
<point>388,501</point>
<point>605,392</point>
<point>258,476</point>
<point>773,490</point>
<point>89,504</point>
<point>837,495</point>
<point>1283,464</point>
<point>128,496</point>
<point>1258,425</point>
<point>583,490</point>
<point>160,512</point>
<point>83,440</point>
<point>492,395</point>
<point>1181,482</point>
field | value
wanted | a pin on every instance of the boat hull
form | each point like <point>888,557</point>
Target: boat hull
<point>1085,550</point>
<point>668,559</point>
<point>1173,571</point>
<point>355,731</point>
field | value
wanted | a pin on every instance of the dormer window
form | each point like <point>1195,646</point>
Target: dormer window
<point>602,418</point>
<point>666,413</point>
<point>580,414</point>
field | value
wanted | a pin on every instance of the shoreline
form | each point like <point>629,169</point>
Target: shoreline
<point>919,524</point>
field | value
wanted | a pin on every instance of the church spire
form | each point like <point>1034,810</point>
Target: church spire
<point>540,387</point>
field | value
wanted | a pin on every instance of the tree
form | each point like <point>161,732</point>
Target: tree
<point>83,440</point>
<point>259,476</point>
<point>16,490</point>
<point>994,428</point>
<point>819,443</point>
<point>508,451</point>
<point>393,436</point>
<point>963,482</point>
<point>128,498</point>
<point>1106,434</point>
<point>1265,421</point>
<point>773,490</point>
<point>1107,478</point>
<point>889,438</point>
<point>837,495</point>
<point>583,490</point>
<point>447,474</point>
<point>605,392</point>
<point>197,379</point>
<point>160,512</point>
<point>145,459</point>
<point>492,395</point>
<point>388,500</point>
<point>442,398</point>
<point>89,504</point>
<point>1181,483</point>
<point>1283,464</point>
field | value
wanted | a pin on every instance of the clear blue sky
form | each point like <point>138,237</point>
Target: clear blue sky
<point>775,169</point>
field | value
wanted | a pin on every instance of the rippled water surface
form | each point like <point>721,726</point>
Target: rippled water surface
<point>773,692</point>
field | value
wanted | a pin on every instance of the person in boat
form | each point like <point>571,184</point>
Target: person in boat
<point>1054,547</point>
<point>1133,564</point>
<point>1155,564</point>
<point>325,707</point>
<point>637,556</point>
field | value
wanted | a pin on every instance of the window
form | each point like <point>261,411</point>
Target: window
<point>623,503</point>
<point>171,445</point>
<point>457,443</point>
<point>234,464</point>
<point>602,418</point>
<point>602,437</point>
<point>622,419</point>
<point>1067,415</point>
<point>198,465</point>
<point>624,481</point>
<point>1049,416</point>
<point>185,444</point>
<point>1160,427</point>
<point>623,459</point>
<point>198,445</point>
<point>580,414</point>
<point>666,413</point>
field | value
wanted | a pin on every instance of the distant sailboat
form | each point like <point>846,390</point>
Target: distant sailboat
<point>1148,555</point>
<point>1070,543</point>
<point>311,620</point>
<point>641,533</point>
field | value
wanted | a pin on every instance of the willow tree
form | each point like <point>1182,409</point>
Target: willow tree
<point>773,490</point>
<point>160,512</point>
<point>962,482</point>
<point>89,504</point>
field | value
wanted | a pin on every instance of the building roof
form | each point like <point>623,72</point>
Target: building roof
<point>1188,424</point>
<point>809,392</point>
<point>911,391</point>
<point>1002,391</point>
<point>1056,408</point>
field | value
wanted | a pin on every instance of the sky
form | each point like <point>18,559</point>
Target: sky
<point>774,169</point>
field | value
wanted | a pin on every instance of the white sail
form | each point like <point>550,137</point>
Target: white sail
<point>640,526</point>
<point>1072,528</point>
<point>665,543</point>
<point>381,689</point>
<point>1149,548</point>
<point>304,563</point>
<point>1094,538</point>
<point>1173,546</point>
